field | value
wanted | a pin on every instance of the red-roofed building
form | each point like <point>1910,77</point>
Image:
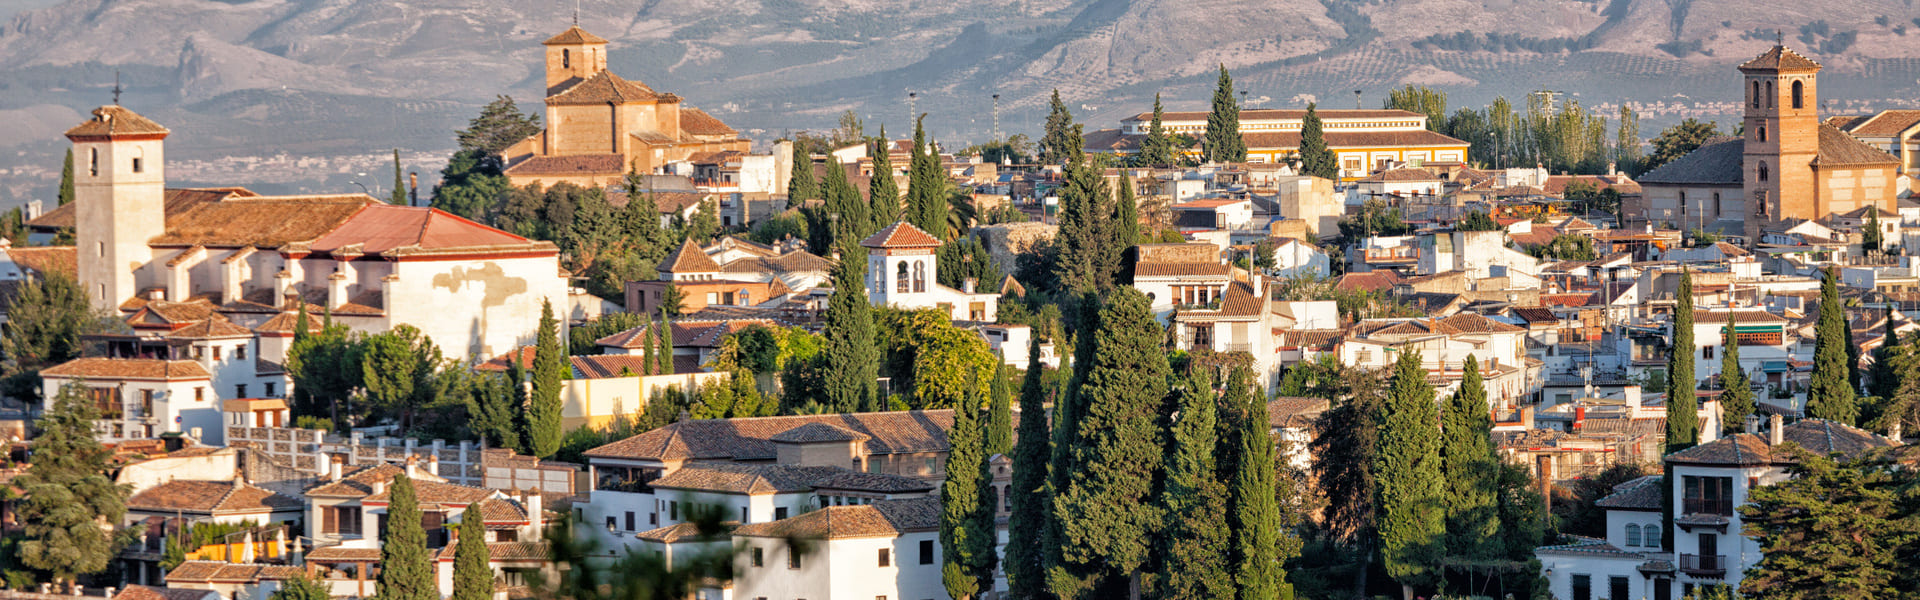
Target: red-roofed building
<point>902,272</point>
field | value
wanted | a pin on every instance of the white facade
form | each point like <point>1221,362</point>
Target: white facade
<point>153,396</point>
<point>903,272</point>
<point>1481,254</point>
<point>841,568</point>
<point>1311,199</point>
<point>1294,258</point>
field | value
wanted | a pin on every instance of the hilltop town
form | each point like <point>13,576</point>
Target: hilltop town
<point>620,349</point>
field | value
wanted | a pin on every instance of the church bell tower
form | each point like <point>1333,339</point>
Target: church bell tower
<point>119,196</point>
<point>572,56</point>
<point>1782,137</point>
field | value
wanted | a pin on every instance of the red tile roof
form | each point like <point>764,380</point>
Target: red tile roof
<point>886,518</point>
<point>211,497</point>
<point>1887,123</point>
<point>689,259</point>
<point>115,120</point>
<point>752,438</point>
<point>574,35</point>
<point>1779,58</point>
<point>605,366</point>
<point>584,164</point>
<point>380,229</point>
<point>128,368</point>
<point>697,122</point>
<point>177,201</point>
<point>261,222</point>
<point>1838,148</point>
<point>603,88</point>
<point>901,235</point>
<point>44,259</point>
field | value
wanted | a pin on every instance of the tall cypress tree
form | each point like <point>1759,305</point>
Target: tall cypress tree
<point>1194,560</point>
<point>1125,232</point>
<point>999,434</point>
<point>665,342</point>
<point>1156,150</point>
<point>1256,511</point>
<point>1105,510</point>
<point>406,572</point>
<point>1068,410</point>
<point>1224,143</point>
<point>883,193</point>
<point>1736,403</point>
<point>472,577</point>
<point>66,180</point>
<point>1316,158</point>
<point>926,186</point>
<point>1061,144</point>
<point>960,502</point>
<point>1029,498</point>
<point>853,361</point>
<point>847,212</point>
<point>1408,479</point>
<point>1830,396</point>
<point>549,373</point>
<point>801,185</point>
<point>1683,417</point>
<point>399,195</point>
<point>1471,468</point>
<point>1870,236</point>
<point>1083,264</point>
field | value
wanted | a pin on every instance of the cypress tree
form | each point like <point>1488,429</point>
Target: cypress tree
<point>406,572</point>
<point>801,186</point>
<point>648,362</point>
<point>1224,143</point>
<point>960,502</point>
<point>1105,511</point>
<point>1830,396</point>
<point>66,180</point>
<point>399,195</point>
<point>1125,232</point>
<point>883,193</point>
<point>1870,240</point>
<point>1083,264</point>
<point>1737,401</point>
<point>1683,417</point>
<point>665,341</point>
<point>853,360</point>
<point>1061,144</point>
<point>1194,561</point>
<point>1315,158</point>
<point>1408,479</point>
<point>549,373</point>
<point>1028,495</point>
<point>472,577</point>
<point>1256,511</point>
<point>847,213</point>
<point>1471,468</point>
<point>999,433</point>
<point>926,186</point>
<point>1157,149</point>
<point>1068,408</point>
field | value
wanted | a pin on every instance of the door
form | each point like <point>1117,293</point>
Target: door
<point>1663,589</point>
<point>1710,551</point>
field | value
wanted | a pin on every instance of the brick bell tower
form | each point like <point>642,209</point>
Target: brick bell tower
<point>1782,138</point>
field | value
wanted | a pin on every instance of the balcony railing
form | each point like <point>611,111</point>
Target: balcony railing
<point>1703,564</point>
<point>1704,506</point>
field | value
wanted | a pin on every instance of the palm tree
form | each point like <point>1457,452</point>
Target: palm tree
<point>961,213</point>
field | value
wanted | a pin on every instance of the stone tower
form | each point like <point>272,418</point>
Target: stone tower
<point>1782,137</point>
<point>574,55</point>
<point>119,185</point>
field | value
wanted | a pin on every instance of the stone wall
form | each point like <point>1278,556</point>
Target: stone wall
<point>1007,240</point>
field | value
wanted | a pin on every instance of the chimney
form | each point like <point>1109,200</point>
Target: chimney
<point>379,487</point>
<point>1579,417</point>
<point>536,512</point>
<point>968,285</point>
<point>413,466</point>
<point>433,464</point>
<point>1779,431</point>
<point>1752,424</point>
<point>1526,417</point>
<point>335,464</point>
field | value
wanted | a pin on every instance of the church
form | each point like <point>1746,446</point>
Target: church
<point>599,127</point>
<point>1786,165</point>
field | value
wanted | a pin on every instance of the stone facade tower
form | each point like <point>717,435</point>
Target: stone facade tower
<point>1782,137</point>
<point>119,183</point>
<point>574,55</point>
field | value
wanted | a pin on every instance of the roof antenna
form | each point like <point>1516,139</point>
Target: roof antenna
<point>116,88</point>
<point>576,13</point>
<point>1779,38</point>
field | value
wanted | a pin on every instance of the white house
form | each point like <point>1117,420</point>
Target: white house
<point>1213,213</point>
<point>902,272</point>
<point>888,549</point>
<point>1294,258</point>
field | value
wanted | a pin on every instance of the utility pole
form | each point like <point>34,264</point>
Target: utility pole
<point>912,98</point>
<point>996,117</point>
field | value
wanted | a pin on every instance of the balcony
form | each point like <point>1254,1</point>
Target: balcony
<point>1707,506</point>
<point>1704,565</point>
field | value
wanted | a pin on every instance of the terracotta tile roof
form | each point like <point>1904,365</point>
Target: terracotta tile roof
<point>886,518</point>
<point>435,492</point>
<point>572,36</point>
<point>697,122</point>
<point>501,362</point>
<point>1846,122</point>
<point>680,531</point>
<point>176,202</point>
<point>1240,301</point>
<point>1740,317</point>
<point>1816,435</point>
<point>582,164</point>
<point>798,261</point>
<point>603,366</point>
<point>760,479</point>
<point>635,338</point>
<point>1838,148</point>
<point>385,229</point>
<point>1208,203</point>
<point>210,496</point>
<point>1779,58</point>
<point>1581,299</point>
<point>1401,175</point>
<point>901,235</point>
<point>751,439</point>
<point>167,314</point>
<point>216,328</point>
<point>1287,140</point>
<point>1160,269</point>
<point>504,551</point>
<point>1308,338</point>
<point>1639,494</point>
<point>45,259</point>
<point>142,592</point>
<point>819,432</point>
<point>1535,314</point>
<point>1282,114</point>
<point>1716,162</point>
<point>603,88</point>
<point>115,120</point>
<point>339,554</point>
<point>501,510</point>
<point>1372,281</point>
<point>128,368</point>
<point>357,484</point>
<point>689,259</point>
<point>1475,323</point>
<point>200,571</point>
<point>1288,411</point>
<point>1888,123</point>
<point>261,222</point>
<point>1585,546</point>
<point>285,322</point>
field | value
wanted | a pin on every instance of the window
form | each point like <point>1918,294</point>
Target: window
<point>611,524</point>
<point>1763,171</point>
<point>713,298</point>
<point>1582,587</point>
<point>1633,534</point>
<point>743,514</point>
<point>137,166</point>
<point>759,557</point>
<point>926,552</point>
<point>146,402</point>
<point>1706,352</point>
<point>93,162</point>
<point>902,283</point>
<point>270,390</point>
<point>216,352</point>
<point>919,276</point>
<point>1799,94</point>
<point>630,520</point>
<point>199,394</point>
<point>673,510</point>
<point>1769,96</point>
<point>566,58</point>
<point>793,559</point>
<point>779,512</point>
<point>1761,132</point>
<point>239,390</point>
<point>886,557</point>
<point>1652,534</point>
<point>1617,587</point>
<point>1707,495</point>
<point>240,352</point>
<point>1753,100</point>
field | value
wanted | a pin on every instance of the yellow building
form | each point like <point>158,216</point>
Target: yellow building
<point>1364,140</point>
<point>600,126</point>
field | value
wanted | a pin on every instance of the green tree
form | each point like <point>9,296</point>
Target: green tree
<point>1156,150</point>
<point>1062,144</point>
<point>1626,144</point>
<point>492,410</point>
<point>1256,511</point>
<point>1198,541</point>
<point>1830,396</point>
<point>999,432</point>
<point>325,368</point>
<point>1678,140</point>
<point>1477,221</point>
<point>663,341</point>
<point>301,588</point>
<point>45,322</point>
<point>853,361</point>
<point>1471,468</point>
<point>1870,240</point>
<point>1223,143</point>
<point>1316,158</point>
<point>1105,511</point>
<point>550,367</point>
<point>1408,479</point>
<point>472,575</point>
<point>1083,264</point>
<point>1423,100</point>
<point>66,180</point>
<point>1833,530</point>
<point>926,186</point>
<point>847,213</point>
<point>499,125</point>
<point>801,186</point>
<point>1125,230</point>
<point>1737,402</point>
<point>1683,419</point>
<point>704,224</point>
<point>963,259</point>
<point>68,493</point>
<point>961,540</point>
<point>400,369</point>
<point>1566,246</point>
<point>1346,448</point>
<point>406,570</point>
<point>399,195</point>
<point>883,193</point>
<point>1029,498</point>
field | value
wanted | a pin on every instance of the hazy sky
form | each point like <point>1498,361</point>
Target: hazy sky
<point>8,7</point>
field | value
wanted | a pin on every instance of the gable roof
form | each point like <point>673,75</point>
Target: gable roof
<point>260,221</point>
<point>603,88</point>
<point>386,229</point>
<point>752,438</point>
<point>885,518</point>
<point>1716,162</point>
<point>176,201</point>
<point>1642,494</point>
<point>901,235</point>
<point>211,497</point>
<point>1886,123</point>
<point>151,369</point>
<point>689,259</point>
<point>697,122</point>
<point>1819,436</point>
<point>578,164</point>
<point>574,35</point>
<point>1838,148</point>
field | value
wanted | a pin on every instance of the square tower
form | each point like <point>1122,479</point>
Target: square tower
<point>1782,136</point>
<point>574,55</point>
<point>901,266</point>
<point>119,195</point>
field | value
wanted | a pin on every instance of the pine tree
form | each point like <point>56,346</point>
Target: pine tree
<point>1315,158</point>
<point>1683,418</point>
<point>999,433</point>
<point>1029,497</point>
<point>399,196</point>
<point>926,186</point>
<point>1256,511</point>
<point>1471,468</point>
<point>1062,144</point>
<point>883,193</point>
<point>1194,562</point>
<point>1157,149</point>
<point>853,360</point>
<point>1408,478</point>
<point>1737,402</point>
<point>665,342</point>
<point>67,492</point>
<point>1224,144</point>
<point>406,571</point>
<point>801,186</point>
<point>960,503</point>
<point>472,577</point>
<point>549,372</point>
<point>1105,511</point>
<point>1830,396</point>
<point>66,180</point>
<point>1830,530</point>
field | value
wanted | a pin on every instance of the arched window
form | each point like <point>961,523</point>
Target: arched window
<point>919,276</point>
<point>1753,100</point>
<point>1769,94</point>
<point>1761,131</point>
<point>566,58</point>
<point>93,162</point>
<point>1716,204</point>
<point>901,282</point>
<point>1652,535</point>
<point>1799,92</point>
<point>1633,534</point>
<point>1763,171</point>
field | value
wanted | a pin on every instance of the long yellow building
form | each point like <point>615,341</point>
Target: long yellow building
<point>1364,140</point>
